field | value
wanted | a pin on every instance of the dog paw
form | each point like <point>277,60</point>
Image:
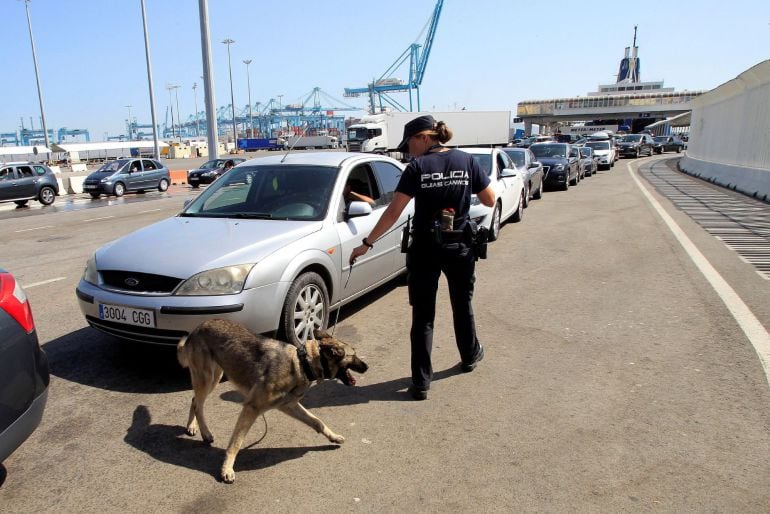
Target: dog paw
<point>336,438</point>
<point>228,475</point>
<point>191,430</point>
<point>207,438</point>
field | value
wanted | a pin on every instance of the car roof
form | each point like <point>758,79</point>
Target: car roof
<point>479,150</point>
<point>514,149</point>
<point>335,159</point>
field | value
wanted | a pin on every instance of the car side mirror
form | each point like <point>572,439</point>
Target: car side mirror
<point>358,209</point>
<point>507,172</point>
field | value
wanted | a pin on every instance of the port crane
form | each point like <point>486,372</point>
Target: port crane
<point>386,84</point>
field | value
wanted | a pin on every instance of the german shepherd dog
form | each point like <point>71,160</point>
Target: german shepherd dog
<point>268,373</point>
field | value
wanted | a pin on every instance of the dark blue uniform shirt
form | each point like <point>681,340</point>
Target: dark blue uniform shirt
<point>442,180</point>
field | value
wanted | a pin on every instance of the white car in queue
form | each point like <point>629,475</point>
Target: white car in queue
<point>266,245</point>
<point>508,183</point>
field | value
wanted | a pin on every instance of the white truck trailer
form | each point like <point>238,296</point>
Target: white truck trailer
<point>304,142</point>
<point>381,133</point>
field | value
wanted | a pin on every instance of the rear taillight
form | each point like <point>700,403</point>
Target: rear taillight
<point>13,300</point>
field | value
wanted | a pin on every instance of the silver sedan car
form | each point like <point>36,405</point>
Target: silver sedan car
<point>267,245</point>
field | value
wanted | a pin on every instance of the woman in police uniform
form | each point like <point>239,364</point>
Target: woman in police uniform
<point>441,180</point>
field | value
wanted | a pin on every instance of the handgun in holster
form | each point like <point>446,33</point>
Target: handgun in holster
<point>406,235</point>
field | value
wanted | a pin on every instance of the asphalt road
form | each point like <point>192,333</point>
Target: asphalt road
<point>615,379</point>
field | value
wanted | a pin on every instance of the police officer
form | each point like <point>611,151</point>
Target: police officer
<point>441,181</point>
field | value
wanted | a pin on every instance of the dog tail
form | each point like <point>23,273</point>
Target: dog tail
<point>183,353</point>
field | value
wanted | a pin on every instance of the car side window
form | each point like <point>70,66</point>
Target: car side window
<point>6,174</point>
<point>135,166</point>
<point>148,165</point>
<point>388,175</point>
<point>502,163</point>
<point>25,171</point>
<point>40,170</point>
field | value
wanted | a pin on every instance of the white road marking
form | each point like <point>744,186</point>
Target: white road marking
<point>151,210</point>
<point>30,229</point>
<point>749,323</point>
<point>97,219</point>
<point>44,282</point>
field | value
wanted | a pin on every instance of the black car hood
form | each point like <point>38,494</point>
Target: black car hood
<point>553,161</point>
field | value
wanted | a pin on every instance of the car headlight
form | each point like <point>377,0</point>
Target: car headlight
<point>90,274</point>
<point>558,167</point>
<point>228,280</point>
<point>104,180</point>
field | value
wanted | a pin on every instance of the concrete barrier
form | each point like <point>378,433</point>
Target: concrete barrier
<point>75,185</point>
<point>178,177</point>
<point>77,167</point>
<point>62,185</point>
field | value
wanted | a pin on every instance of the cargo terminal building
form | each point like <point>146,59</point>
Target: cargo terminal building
<point>629,105</point>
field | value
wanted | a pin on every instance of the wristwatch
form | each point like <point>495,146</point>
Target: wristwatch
<point>367,243</point>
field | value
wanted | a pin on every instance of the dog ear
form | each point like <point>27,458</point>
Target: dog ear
<point>320,335</point>
<point>333,351</point>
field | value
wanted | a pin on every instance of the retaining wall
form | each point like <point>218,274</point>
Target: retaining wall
<point>730,134</point>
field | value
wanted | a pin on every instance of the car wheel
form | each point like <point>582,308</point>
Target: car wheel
<point>539,193</point>
<point>119,189</point>
<point>47,195</point>
<point>494,227</point>
<point>574,181</point>
<point>519,214</point>
<point>21,203</point>
<point>636,155</point>
<point>528,188</point>
<point>94,195</point>
<point>162,185</point>
<point>305,309</point>
<point>195,186</point>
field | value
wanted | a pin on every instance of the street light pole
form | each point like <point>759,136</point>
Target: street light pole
<point>170,87</point>
<point>248,85</point>
<point>197,124</point>
<point>37,77</point>
<point>129,121</point>
<point>178,112</point>
<point>156,147</point>
<point>212,131</point>
<point>229,42</point>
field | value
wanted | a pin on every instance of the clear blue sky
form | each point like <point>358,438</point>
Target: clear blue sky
<point>487,54</point>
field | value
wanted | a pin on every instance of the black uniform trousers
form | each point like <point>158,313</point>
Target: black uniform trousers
<point>425,263</point>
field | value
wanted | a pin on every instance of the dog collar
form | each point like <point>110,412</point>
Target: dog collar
<point>306,367</point>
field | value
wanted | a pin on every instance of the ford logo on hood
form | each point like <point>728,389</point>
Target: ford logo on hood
<point>131,282</point>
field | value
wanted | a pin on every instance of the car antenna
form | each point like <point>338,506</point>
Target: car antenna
<point>307,125</point>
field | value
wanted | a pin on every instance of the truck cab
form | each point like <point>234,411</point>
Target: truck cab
<point>367,138</point>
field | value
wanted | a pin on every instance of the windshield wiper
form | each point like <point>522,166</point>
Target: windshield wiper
<point>251,215</point>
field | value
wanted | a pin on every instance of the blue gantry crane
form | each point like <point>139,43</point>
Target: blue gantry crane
<point>418,59</point>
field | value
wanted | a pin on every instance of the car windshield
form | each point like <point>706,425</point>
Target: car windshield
<point>216,163</point>
<point>632,138</point>
<point>661,139</point>
<point>275,191</point>
<point>553,151</point>
<point>517,157</point>
<point>598,145</point>
<point>112,166</point>
<point>484,160</point>
<point>586,151</point>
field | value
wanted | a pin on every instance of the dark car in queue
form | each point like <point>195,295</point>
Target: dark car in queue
<point>588,162</point>
<point>209,171</point>
<point>127,175</point>
<point>667,144</point>
<point>21,182</point>
<point>24,374</point>
<point>635,145</point>
<point>560,163</point>
<point>532,171</point>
